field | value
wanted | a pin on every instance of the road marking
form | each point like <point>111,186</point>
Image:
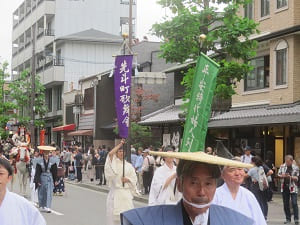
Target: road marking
<point>56,213</point>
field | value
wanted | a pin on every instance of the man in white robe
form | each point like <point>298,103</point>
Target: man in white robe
<point>34,191</point>
<point>120,196</point>
<point>238,198</point>
<point>15,209</point>
<point>163,189</point>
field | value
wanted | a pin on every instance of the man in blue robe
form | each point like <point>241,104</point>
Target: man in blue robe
<point>196,180</point>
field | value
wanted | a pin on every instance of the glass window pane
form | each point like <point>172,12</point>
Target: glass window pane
<point>281,67</point>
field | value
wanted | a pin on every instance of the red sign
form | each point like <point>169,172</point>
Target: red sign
<point>42,137</point>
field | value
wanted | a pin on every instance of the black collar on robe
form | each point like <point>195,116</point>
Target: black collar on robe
<point>186,218</point>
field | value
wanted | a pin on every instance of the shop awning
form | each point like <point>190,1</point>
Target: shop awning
<point>68,127</point>
<point>81,133</point>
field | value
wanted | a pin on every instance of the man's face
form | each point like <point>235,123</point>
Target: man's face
<point>247,152</point>
<point>4,178</point>
<point>288,162</point>
<point>198,188</point>
<point>36,154</point>
<point>120,154</point>
<point>233,176</point>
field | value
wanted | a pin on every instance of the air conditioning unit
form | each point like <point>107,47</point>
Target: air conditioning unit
<point>78,99</point>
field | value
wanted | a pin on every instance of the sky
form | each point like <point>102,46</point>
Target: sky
<point>144,22</point>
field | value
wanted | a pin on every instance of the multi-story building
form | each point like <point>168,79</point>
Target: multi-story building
<point>265,112</point>
<point>71,38</point>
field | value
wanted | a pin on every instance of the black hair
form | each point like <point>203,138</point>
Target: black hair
<point>5,163</point>
<point>257,161</point>
<point>185,168</point>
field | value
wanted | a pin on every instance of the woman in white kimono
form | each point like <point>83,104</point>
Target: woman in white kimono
<point>120,196</point>
<point>45,178</point>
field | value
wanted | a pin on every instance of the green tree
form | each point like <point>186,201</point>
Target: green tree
<point>224,31</point>
<point>6,107</point>
<point>21,93</point>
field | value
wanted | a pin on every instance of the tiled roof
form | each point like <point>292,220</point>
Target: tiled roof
<point>257,116</point>
<point>258,112</point>
<point>168,114</point>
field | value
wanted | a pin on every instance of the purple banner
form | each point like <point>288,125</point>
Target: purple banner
<point>122,82</point>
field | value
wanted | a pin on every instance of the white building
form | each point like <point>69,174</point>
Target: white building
<point>73,38</point>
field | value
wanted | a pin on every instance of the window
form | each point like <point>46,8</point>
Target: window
<point>248,11</point>
<point>259,77</point>
<point>265,8</point>
<point>58,98</point>
<point>88,100</point>
<point>49,99</point>
<point>281,63</point>
<point>281,3</point>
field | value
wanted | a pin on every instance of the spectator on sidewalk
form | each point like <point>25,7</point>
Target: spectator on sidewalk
<point>97,163</point>
<point>103,155</point>
<point>15,209</point>
<point>148,170</point>
<point>289,173</point>
<point>67,160</point>
<point>138,169</point>
<point>79,164</point>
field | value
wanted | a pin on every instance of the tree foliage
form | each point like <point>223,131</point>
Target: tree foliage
<point>227,37</point>
<point>21,93</point>
<point>6,107</point>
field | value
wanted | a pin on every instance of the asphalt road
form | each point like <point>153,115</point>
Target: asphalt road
<point>79,206</point>
<point>83,206</point>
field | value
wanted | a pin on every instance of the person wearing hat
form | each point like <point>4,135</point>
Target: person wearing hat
<point>46,178</point>
<point>121,178</point>
<point>197,175</point>
<point>147,170</point>
<point>15,209</point>
<point>163,188</point>
<point>232,194</point>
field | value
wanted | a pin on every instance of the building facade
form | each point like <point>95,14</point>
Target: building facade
<point>265,112</point>
<point>68,38</point>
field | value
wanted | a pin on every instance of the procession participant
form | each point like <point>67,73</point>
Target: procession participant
<point>15,209</point>
<point>238,198</point>
<point>45,178</point>
<point>197,175</point>
<point>120,196</point>
<point>34,192</point>
<point>138,168</point>
<point>289,173</point>
<point>163,187</point>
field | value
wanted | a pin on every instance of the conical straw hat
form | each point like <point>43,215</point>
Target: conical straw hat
<point>46,148</point>
<point>203,157</point>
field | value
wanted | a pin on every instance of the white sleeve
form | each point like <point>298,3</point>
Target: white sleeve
<point>156,187</point>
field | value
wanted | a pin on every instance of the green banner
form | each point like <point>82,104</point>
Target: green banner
<point>199,109</point>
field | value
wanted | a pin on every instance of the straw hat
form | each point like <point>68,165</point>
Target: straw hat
<point>46,148</point>
<point>203,157</point>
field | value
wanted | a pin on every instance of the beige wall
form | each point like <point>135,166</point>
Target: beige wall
<point>275,95</point>
<point>278,19</point>
<point>296,75</point>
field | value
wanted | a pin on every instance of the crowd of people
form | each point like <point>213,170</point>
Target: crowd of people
<point>244,189</point>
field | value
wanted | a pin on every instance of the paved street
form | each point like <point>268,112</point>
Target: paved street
<point>84,204</point>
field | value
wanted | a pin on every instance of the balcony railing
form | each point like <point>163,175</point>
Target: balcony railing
<point>58,62</point>
<point>27,44</point>
<point>49,32</point>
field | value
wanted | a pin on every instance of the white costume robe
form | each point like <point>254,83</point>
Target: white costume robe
<point>34,191</point>
<point>157,195</point>
<point>119,198</point>
<point>245,203</point>
<point>16,210</point>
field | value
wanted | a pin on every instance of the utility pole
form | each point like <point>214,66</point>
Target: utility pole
<point>32,108</point>
<point>130,24</point>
